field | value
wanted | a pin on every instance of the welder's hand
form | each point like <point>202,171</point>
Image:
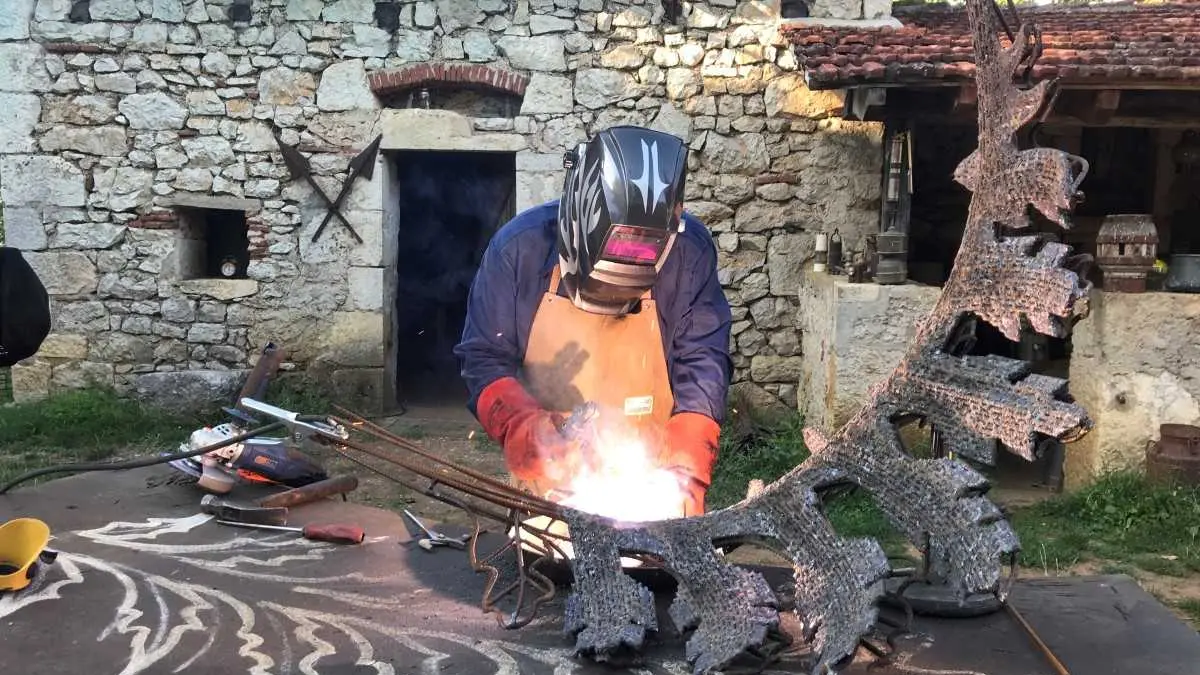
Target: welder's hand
<point>534,449</point>
<point>690,452</point>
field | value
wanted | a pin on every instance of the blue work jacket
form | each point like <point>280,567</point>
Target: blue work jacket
<point>515,273</point>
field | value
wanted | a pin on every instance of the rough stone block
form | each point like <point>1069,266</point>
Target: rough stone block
<point>541,52</point>
<point>304,10</point>
<point>366,288</point>
<point>190,390</point>
<point>286,86</point>
<point>547,94</point>
<point>836,9</point>
<point>24,229</point>
<point>18,116</point>
<point>31,381</point>
<point>14,20</point>
<point>535,188</point>
<point>81,375</point>
<point>64,273</point>
<point>64,346</point>
<point>597,88</point>
<point>103,141</point>
<point>87,235</point>
<point>152,111</point>
<point>219,289</point>
<point>344,86</point>
<point>789,95</point>
<point>40,179</point>
<point>744,154</point>
<point>23,68</point>
<point>670,120</point>
<point>776,368</point>
<point>336,244</point>
<point>786,258</point>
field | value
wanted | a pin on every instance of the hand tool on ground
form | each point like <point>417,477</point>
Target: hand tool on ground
<point>433,538</point>
<point>334,534</point>
<point>338,485</point>
<point>255,515</point>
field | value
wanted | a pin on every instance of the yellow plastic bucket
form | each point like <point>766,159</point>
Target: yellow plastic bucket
<point>21,543</point>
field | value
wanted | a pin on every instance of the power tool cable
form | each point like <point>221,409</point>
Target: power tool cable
<point>139,462</point>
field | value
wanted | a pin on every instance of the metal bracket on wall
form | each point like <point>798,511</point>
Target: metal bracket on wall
<point>363,165</point>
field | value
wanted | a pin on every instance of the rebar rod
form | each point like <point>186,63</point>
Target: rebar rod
<point>364,424</point>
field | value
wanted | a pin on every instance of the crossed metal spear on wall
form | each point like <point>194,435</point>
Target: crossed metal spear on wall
<point>363,165</point>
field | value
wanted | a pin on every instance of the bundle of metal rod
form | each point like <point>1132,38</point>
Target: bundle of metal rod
<point>439,470</point>
<point>478,495</point>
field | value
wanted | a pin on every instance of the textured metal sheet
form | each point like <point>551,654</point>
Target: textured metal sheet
<point>1000,277</point>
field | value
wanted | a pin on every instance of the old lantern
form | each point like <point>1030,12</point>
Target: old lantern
<point>1126,247</point>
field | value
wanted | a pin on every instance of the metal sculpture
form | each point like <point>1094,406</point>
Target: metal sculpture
<point>1001,277</point>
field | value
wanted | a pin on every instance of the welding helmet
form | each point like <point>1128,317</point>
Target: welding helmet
<point>619,215</point>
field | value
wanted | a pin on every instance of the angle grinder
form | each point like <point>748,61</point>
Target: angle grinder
<point>256,460</point>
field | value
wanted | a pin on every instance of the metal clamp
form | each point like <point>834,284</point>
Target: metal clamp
<point>299,427</point>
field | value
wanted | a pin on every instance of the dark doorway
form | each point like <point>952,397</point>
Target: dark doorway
<point>449,205</point>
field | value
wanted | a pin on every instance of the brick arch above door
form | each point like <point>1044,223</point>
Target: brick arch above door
<point>393,80</point>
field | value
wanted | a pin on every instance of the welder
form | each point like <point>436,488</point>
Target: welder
<point>606,296</point>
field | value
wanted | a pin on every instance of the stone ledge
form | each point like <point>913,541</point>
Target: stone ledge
<point>419,129</point>
<point>194,201</point>
<point>219,289</point>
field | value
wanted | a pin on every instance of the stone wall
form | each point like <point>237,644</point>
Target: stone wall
<point>854,336</point>
<point>1135,364</point>
<point>114,120</point>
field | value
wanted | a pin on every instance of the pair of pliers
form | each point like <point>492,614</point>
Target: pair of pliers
<point>436,538</point>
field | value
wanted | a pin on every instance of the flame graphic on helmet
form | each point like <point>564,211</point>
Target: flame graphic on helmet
<point>579,211</point>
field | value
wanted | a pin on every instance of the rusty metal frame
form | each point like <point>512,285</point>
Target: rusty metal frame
<point>1011,280</point>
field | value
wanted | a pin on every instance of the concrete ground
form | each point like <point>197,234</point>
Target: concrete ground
<point>144,584</point>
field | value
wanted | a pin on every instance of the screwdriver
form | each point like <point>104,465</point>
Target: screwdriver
<point>336,534</point>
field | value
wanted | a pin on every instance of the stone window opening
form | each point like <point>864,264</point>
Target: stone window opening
<point>80,12</point>
<point>793,9</point>
<point>466,99</point>
<point>213,243</point>
<point>473,90</point>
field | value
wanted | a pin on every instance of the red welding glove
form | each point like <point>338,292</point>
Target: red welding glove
<point>691,452</point>
<point>534,450</point>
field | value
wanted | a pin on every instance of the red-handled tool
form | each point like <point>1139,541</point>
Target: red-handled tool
<point>335,534</point>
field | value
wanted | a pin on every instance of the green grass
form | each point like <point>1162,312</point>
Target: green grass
<point>753,449</point>
<point>1123,519</point>
<point>83,426</point>
<point>301,394</point>
<point>1122,522</point>
<point>89,425</point>
<point>1191,608</point>
<point>766,450</point>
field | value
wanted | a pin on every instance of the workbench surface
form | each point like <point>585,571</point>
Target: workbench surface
<point>146,584</point>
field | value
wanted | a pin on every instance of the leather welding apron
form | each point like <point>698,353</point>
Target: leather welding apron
<point>575,356</point>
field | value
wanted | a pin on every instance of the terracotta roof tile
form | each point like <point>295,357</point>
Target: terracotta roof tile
<point>1156,42</point>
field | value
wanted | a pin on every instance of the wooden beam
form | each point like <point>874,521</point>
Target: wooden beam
<point>1103,106</point>
<point>967,101</point>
